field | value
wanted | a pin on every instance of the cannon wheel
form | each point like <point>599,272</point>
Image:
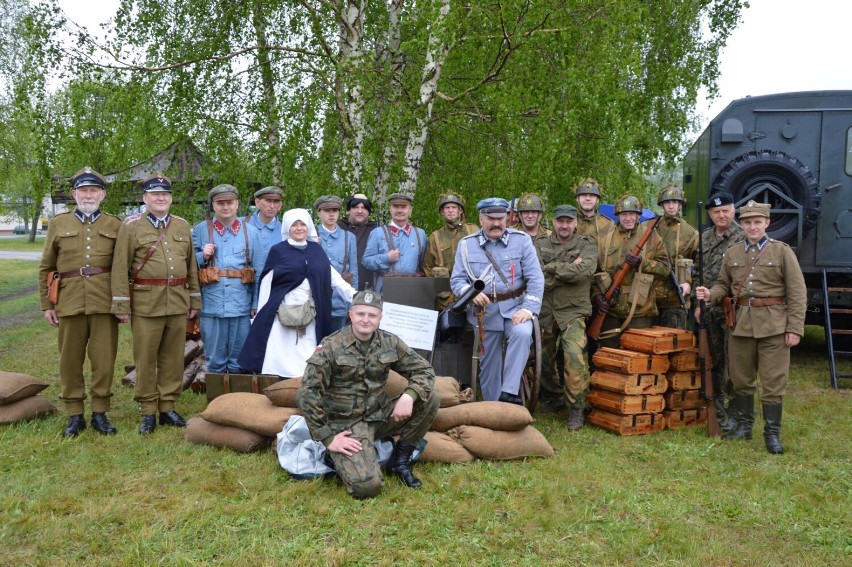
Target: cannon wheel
<point>531,378</point>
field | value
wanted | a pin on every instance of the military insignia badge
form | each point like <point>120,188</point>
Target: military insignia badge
<point>368,297</point>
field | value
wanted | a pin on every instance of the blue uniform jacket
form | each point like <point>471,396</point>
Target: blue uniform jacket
<point>411,246</point>
<point>269,235</point>
<point>335,244</point>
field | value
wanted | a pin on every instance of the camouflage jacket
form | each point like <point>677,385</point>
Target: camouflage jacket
<point>681,242</point>
<point>566,283</point>
<point>713,250</point>
<point>343,386</point>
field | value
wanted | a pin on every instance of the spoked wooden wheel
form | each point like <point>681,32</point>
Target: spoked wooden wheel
<point>531,378</point>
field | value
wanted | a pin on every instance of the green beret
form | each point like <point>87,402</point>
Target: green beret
<point>367,297</point>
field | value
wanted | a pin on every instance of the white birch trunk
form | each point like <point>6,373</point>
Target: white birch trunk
<point>349,97</point>
<point>393,54</point>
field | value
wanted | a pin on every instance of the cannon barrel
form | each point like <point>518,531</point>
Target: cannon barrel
<point>460,304</point>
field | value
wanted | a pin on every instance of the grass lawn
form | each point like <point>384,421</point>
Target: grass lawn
<point>675,497</point>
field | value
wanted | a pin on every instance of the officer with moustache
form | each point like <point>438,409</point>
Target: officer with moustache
<point>79,247</point>
<point>155,287</point>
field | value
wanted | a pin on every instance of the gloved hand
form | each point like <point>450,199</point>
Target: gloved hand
<point>633,260</point>
<point>600,303</point>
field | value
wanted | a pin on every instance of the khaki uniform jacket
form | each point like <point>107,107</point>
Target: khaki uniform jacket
<point>441,247</point>
<point>598,227</point>
<point>542,234</point>
<point>343,386</point>
<point>616,246</point>
<point>681,242</point>
<point>174,258</point>
<point>566,284</point>
<point>776,274</point>
<point>69,246</point>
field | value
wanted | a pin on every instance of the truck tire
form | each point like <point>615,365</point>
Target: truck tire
<point>783,172</point>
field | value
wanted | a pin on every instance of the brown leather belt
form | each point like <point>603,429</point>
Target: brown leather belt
<point>230,274</point>
<point>509,294</point>
<point>759,301</point>
<point>93,271</point>
<point>169,282</point>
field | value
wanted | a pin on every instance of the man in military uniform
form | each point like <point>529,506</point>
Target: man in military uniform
<point>359,208</point>
<point>79,247</point>
<point>342,250</point>
<point>634,306</point>
<point>506,261</point>
<point>568,262</point>
<point>715,240</point>
<point>589,221</point>
<point>229,247</point>
<point>531,212</point>
<point>345,405</point>
<point>155,287</point>
<point>396,250</point>
<point>681,242</point>
<point>442,244</point>
<point>764,277</point>
<point>265,221</point>
<point>512,218</point>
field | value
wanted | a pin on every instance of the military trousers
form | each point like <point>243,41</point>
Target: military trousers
<point>573,341</point>
<point>499,373</point>
<point>158,347</point>
<point>674,317</point>
<point>223,340</point>
<point>360,472</point>
<point>95,335</point>
<point>769,357</point>
<point>718,333</point>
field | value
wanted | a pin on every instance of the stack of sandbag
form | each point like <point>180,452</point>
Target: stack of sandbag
<point>685,405</point>
<point>19,400</point>
<point>484,430</point>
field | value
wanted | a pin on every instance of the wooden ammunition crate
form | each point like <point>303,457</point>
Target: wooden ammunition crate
<point>657,340</point>
<point>623,404</point>
<point>218,384</point>
<point>676,419</point>
<point>629,362</point>
<point>627,424</point>
<point>684,399</point>
<point>684,379</point>
<point>685,360</point>
<point>631,384</point>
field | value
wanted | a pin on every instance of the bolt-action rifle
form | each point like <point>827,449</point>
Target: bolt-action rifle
<point>705,357</point>
<point>594,329</point>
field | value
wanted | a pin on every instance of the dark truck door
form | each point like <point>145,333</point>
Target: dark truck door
<point>834,233</point>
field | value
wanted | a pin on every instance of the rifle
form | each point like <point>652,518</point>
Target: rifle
<point>704,354</point>
<point>594,328</point>
<point>674,281</point>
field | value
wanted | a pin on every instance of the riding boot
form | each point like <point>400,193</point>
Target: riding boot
<point>727,415</point>
<point>744,411</point>
<point>772,429</point>
<point>400,465</point>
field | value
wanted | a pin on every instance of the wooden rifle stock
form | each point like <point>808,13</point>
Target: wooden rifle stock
<point>704,356</point>
<point>594,328</point>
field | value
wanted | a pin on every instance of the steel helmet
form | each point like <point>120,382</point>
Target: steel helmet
<point>628,204</point>
<point>450,197</point>
<point>530,202</point>
<point>588,186</point>
<point>671,192</point>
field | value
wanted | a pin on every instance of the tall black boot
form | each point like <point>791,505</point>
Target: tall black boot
<point>727,415</point>
<point>744,410</point>
<point>400,465</point>
<point>772,429</point>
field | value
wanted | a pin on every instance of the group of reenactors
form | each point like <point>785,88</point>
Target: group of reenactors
<point>155,271</point>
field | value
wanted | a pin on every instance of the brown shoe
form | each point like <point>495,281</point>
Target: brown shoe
<point>576,419</point>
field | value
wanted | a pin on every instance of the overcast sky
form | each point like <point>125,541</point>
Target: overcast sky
<point>780,46</point>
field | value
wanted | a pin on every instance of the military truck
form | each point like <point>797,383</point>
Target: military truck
<point>794,151</point>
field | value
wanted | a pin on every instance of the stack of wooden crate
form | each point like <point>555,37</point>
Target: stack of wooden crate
<point>629,385</point>
<point>685,405</point>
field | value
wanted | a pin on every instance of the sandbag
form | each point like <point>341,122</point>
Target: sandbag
<point>283,393</point>
<point>499,416</point>
<point>441,448</point>
<point>27,408</point>
<point>248,411</point>
<point>199,430</point>
<point>15,386</point>
<point>502,445</point>
<point>447,388</point>
<point>396,384</point>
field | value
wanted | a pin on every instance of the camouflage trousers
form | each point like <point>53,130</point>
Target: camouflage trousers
<point>573,341</point>
<point>360,472</point>
<point>674,317</point>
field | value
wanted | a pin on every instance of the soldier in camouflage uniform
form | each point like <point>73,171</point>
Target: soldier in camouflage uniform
<point>589,221</point>
<point>681,243</point>
<point>343,398</point>
<point>155,287</point>
<point>531,213</point>
<point>715,240</point>
<point>568,262</point>
<point>634,306</point>
<point>79,246</point>
<point>442,244</point>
